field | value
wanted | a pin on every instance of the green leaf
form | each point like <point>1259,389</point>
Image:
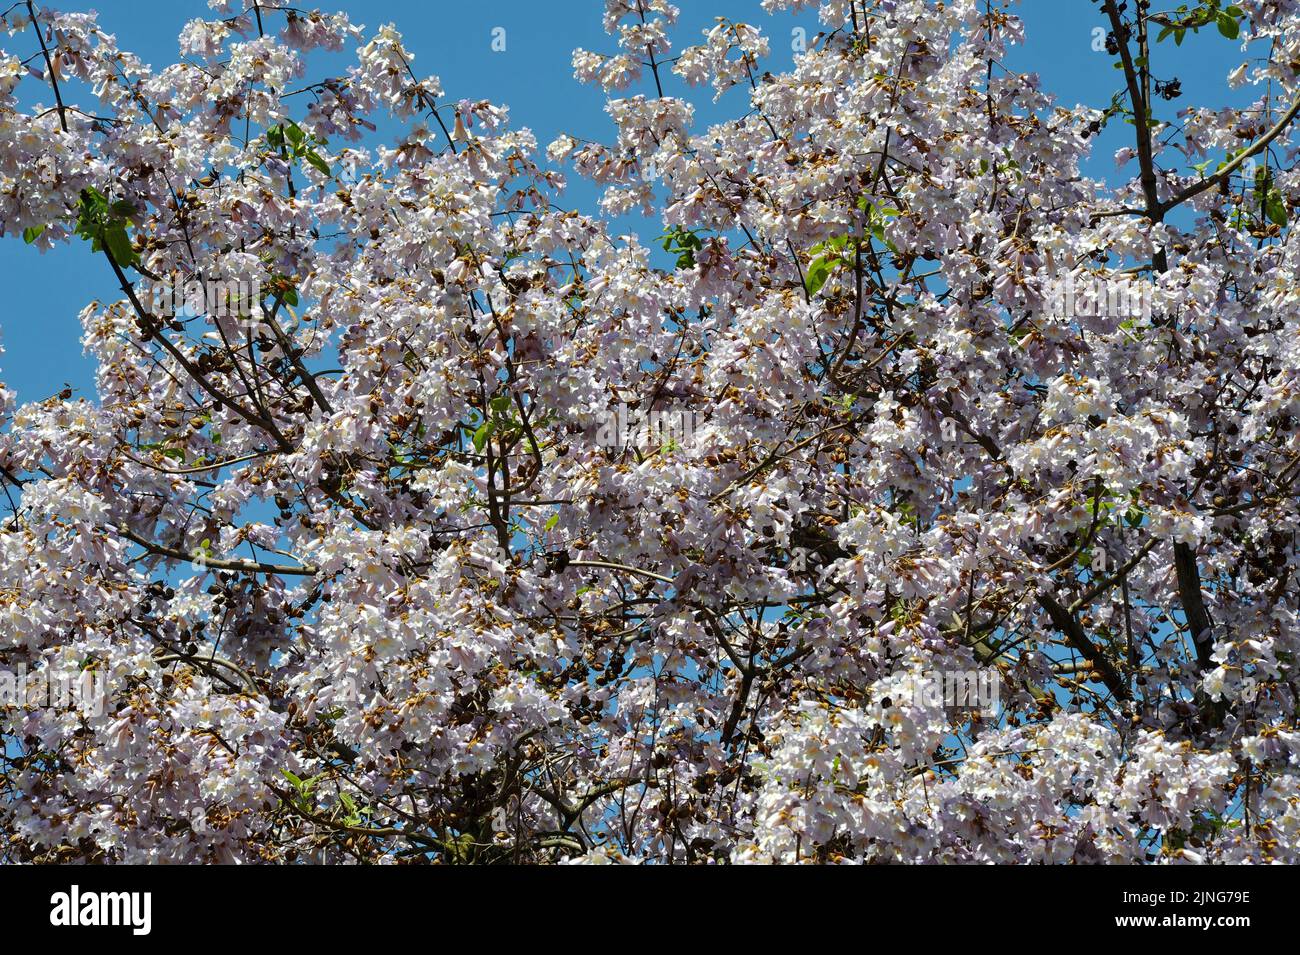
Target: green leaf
<point>1275,208</point>
<point>32,233</point>
<point>119,244</point>
<point>289,296</point>
<point>1228,25</point>
<point>317,162</point>
<point>293,132</point>
<point>500,404</point>
<point>482,435</point>
<point>461,847</point>
<point>550,524</point>
<point>93,198</point>
<point>684,243</point>
<point>105,225</point>
<point>90,218</point>
<point>819,271</point>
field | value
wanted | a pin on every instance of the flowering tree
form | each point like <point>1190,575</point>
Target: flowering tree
<point>367,580</point>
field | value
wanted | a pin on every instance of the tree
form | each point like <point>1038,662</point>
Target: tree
<point>931,500</point>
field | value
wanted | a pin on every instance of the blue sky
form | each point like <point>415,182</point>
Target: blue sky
<point>38,320</point>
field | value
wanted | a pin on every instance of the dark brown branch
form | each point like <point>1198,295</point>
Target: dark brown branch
<point>1064,621</point>
<point>244,566</point>
<point>49,66</point>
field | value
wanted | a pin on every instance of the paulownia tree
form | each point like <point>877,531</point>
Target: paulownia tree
<point>366,585</point>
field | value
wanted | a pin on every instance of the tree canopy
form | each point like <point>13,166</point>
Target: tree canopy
<point>915,497</point>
